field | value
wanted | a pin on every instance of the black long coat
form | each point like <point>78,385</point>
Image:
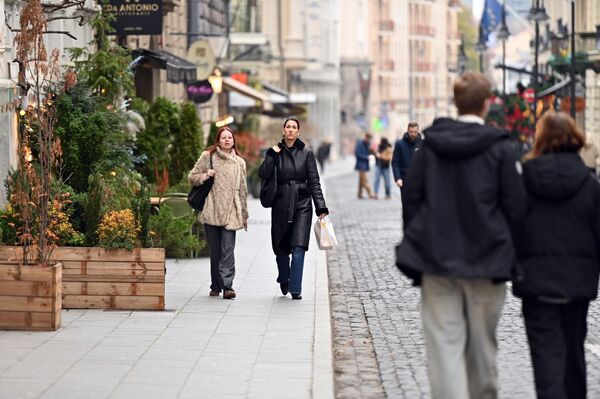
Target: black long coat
<point>559,248</point>
<point>297,182</point>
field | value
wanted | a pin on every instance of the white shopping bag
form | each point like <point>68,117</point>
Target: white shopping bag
<point>325,235</point>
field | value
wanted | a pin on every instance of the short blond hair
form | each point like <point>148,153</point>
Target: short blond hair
<point>470,92</point>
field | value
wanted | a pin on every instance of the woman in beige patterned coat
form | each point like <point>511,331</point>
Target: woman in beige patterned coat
<point>225,210</point>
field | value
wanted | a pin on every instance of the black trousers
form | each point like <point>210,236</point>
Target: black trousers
<point>556,334</point>
<point>222,260</point>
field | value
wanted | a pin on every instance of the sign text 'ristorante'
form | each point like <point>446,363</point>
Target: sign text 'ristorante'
<point>136,17</point>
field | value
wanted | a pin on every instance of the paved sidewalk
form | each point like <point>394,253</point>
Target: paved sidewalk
<point>260,345</point>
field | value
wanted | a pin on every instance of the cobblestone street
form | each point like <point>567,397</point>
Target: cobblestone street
<point>378,343</point>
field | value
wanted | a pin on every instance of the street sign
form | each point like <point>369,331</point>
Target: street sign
<point>135,17</point>
<point>201,54</point>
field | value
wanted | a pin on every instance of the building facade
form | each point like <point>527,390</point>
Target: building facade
<point>587,46</point>
<point>303,40</point>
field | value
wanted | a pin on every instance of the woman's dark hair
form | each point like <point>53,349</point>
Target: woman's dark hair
<point>556,132</point>
<point>213,147</point>
<point>383,144</point>
<point>292,119</point>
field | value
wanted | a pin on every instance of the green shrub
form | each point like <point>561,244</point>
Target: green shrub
<point>9,223</point>
<point>173,234</point>
<point>154,142</point>
<point>92,137</point>
<point>187,143</point>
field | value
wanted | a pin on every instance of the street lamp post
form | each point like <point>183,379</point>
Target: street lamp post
<point>481,47</point>
<point>462,56</point>
<point>572,66</point>
<point>503,35</point>
<point>537,13</point>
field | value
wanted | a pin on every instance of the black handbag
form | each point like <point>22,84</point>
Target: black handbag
<point>268,189</point>
<point>197,196</point>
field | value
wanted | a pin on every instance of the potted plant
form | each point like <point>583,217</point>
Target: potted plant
<point>30,280</point>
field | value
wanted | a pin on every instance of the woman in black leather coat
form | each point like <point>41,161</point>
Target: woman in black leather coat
<point>291,214</point>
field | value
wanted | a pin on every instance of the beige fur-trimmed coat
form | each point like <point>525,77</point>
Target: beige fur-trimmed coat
<point>226,204</point>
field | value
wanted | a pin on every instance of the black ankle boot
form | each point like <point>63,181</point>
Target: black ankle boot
<point>284,288</point>
<point>296,296</point>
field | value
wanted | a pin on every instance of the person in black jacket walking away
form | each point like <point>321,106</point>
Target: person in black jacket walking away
<point>463,198</point>
<point>559,252</point>
<point>404,149</point>
<point>291,213</point>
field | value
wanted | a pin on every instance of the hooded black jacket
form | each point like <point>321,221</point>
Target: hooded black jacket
<point>463,197</point>
<point>297,182</point>
<point>560,246</point>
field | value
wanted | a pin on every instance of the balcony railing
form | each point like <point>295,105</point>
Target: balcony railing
<point>422,30</point>
<point>423,66</point>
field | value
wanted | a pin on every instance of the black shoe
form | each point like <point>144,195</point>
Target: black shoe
<point>284,288</point>
<point>297,296</point>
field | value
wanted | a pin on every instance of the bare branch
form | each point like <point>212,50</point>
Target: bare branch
<point>58,32</point>
<point>64,5</point>
<point>64,18</point>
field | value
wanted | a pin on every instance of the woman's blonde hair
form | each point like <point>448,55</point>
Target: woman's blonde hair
<point>556,132</point>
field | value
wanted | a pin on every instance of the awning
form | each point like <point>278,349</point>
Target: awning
<point>179,70</point>
<point>280,96</point>
<point>244,89</point>
<point>554,88</point>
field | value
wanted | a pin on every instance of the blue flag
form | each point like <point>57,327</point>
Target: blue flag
<point>491,18</point>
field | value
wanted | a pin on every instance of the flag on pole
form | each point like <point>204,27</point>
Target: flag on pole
<point>491,18</point>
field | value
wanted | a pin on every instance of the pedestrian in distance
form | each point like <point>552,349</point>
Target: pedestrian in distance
<point>591,156</point>
<point>404,149</point>
<point>226,208</point>
<point>559,251</point>
<point>323,152</point>
<point>291,213</point>
<point>383,157</point>
<point>362,152</point>
<point>463,200</point>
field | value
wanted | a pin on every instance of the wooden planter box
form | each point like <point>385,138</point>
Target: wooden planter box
<point>30,296</point>
<point>98,278</point>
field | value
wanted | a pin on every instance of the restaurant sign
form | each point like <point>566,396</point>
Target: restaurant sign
<point>200,92</point>
<point>135,17</point>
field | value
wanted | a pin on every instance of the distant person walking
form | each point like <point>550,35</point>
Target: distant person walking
<point>323,152</point>
<point>591,156</point>
<point>225,209</point>
<point>463,199</point>
<point>362,152</point>
<point>404,149</point>
<point>559,251</point>
<point>382,167</point>
<point>291,213</point>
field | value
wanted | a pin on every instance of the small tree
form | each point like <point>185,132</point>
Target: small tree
<point>38,151</point>
<point>187,143</point>
<point>155,141</point>
<point>106,70</point>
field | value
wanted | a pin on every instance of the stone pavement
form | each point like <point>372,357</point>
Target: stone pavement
<point>378,343</point>
<point>260,345</point>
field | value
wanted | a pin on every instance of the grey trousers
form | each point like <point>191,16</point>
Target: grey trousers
<point>459,320</point>
<point>222,262</point>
